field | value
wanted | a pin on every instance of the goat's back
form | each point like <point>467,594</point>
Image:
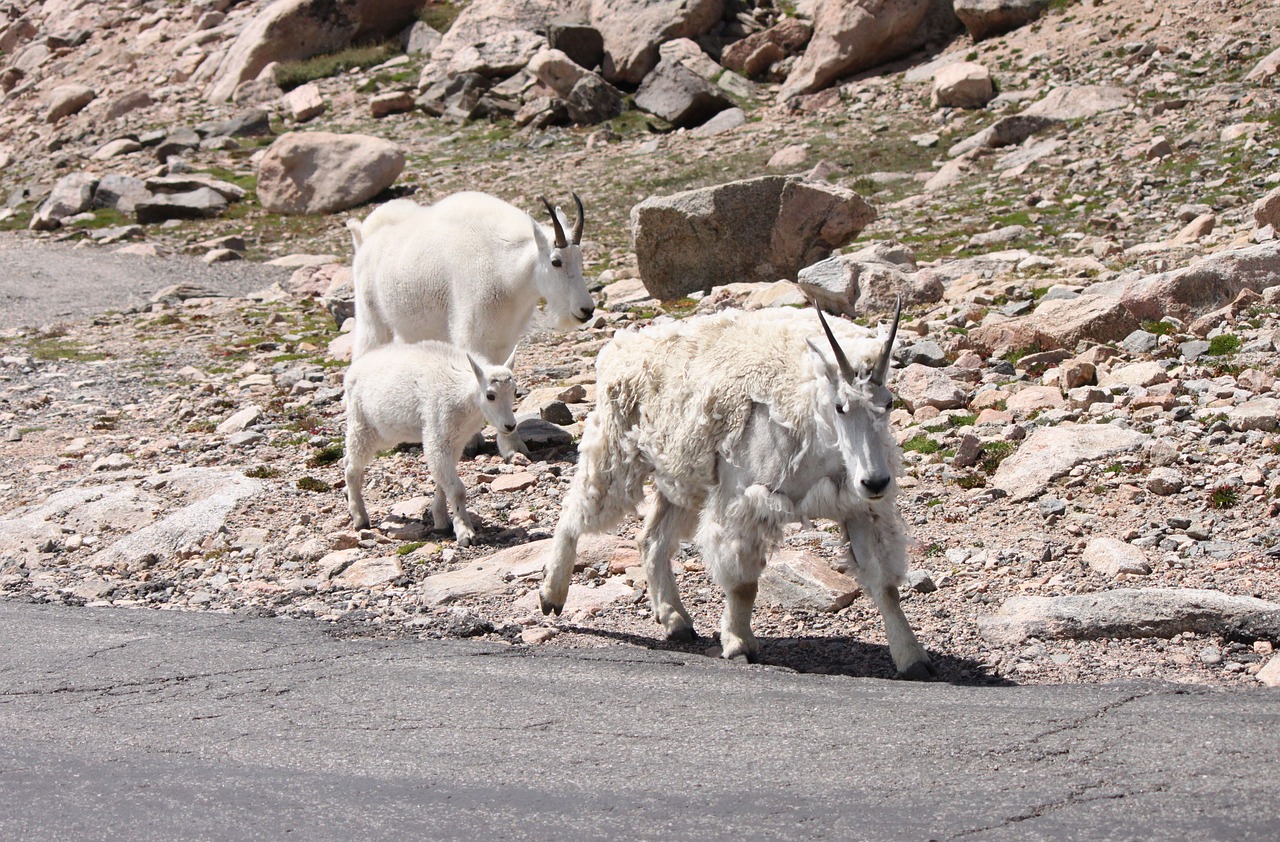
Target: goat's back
<point>460,270</point>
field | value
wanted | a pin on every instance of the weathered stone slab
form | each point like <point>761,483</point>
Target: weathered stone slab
<point>1051,452</point>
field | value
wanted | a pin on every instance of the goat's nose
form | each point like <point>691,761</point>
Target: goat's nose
<point>585,313</point>
<point>510,428</point>
<point>875,486</point>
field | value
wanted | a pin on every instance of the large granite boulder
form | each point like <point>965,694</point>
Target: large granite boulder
<point>762,229</point>
<point>985,18</point>
<point>320,172</point>
<point>291,30</point>
<point>678,95</point>
<point>633,30</point>
<point>853,35</point>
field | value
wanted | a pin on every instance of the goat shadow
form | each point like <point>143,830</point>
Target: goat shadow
<point>819,655</point>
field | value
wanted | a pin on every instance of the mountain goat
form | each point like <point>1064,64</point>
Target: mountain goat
<point>468,270</point>
<point>745,424</point>
<point>429,392</point>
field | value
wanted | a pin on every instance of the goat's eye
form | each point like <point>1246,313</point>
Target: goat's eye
<point>840,408</point>
<point>491,396</point>
<point>557,262</point>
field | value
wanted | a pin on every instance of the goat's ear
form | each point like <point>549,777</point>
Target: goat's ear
<point>820,360</point>
<point>510,364</point>
<point>479,372</point>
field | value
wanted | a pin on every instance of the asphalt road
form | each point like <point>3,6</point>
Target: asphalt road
<point>42,283</point>
<point>148,725</point>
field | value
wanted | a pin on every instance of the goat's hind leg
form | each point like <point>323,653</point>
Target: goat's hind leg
<point>877,549</point>
<point>736,558</point>
<point>663,529</point>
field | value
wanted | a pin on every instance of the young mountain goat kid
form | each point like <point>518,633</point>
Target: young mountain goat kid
<point>429,392</point>
<point>467,270</point>
<point>745,424</point>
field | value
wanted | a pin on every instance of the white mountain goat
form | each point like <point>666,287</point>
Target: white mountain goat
<point>745,424</point>
<point>468,270</point>
<point>430,392</point>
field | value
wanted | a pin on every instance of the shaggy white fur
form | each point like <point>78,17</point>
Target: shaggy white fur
<point>745,423</point>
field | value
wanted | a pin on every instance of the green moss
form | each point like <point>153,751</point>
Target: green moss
<point>262,472</point>
<point>1159,328</point>
<point>993,453</point>
<point>57,348</point>
<point>313,484</point>
<point>921,444</point>
<point>326,456</point>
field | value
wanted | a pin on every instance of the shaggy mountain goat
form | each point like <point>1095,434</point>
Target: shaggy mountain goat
<point>429,392</point>
<point>467,270</point>
<point>745,424</point>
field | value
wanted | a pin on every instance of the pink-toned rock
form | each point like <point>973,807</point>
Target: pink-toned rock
<point>985,18</point>
<point>754,55</point>
<point>320,172</point>
<point>1266,211</point>
<point>797,580</point>
<point>1061,323</point>
<point>964,84</point>
<point>1205,285</point>
<point>993,416</point>
<point>513,482</point>
<point>1111,557</point>
<point>1051,452</point>
<point>304,103</point>
<point>1075,373</point>
<point>1135,374</point>
<point>633,30</point>
<point>1034,399</point>
<point>66,100</point>
<point>371,572</point>
<point>392,102</point>
<point>853,35</point>
<point>1079,102</point>
<point>919,385</point>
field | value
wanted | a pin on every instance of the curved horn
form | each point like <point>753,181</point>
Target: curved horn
<point>846,370</point>
<point>882,364</point>
<point>577,225</point>
<point>561,242</point>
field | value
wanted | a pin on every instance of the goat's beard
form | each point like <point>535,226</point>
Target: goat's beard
<point>557,318</point>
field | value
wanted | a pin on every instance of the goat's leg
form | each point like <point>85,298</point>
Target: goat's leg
<point>663,529</point>
<point>449,487</point>
<point>736,559</point>
<point>360,449</point>
<point>877,554</point>
<point>509,444</point>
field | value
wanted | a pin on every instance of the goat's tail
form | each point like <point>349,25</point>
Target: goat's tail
<point>357,234</point>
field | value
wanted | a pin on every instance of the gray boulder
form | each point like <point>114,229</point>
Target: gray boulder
<point>320,172</point>
<point>985,18</point>
<point>583,44</point>
<point>1207,284</point>
<point>593,100</point>
<point>678,95</point>
<point>1007,131</point>
<point>121,192</point>
<point>633,30</point>
<point>1080,102</point>
<point>757,230</point>
<point>66,100</point>
<point>847,281</point>
<point>201,203</point>
<point>71,194</point>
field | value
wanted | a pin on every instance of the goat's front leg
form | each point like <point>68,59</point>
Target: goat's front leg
<point>450,490</point>
<point>663,529</point>
<point>359,450</point>
<point>877,555</point>
<point>735,559</point>
<point>509,444</point>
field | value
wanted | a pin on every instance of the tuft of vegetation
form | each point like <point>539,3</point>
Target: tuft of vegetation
<point>974,480</point>
<point>325,456</point>
<point>966,420</point>
<point>921,444</point>
<point>1223,497</point>
<point>405,549</point>
<point>1223,345</point>
<point>313,484</point>
<point>262,472</point>
<point>291,74</point>
<point>440,14</point>
<point>52,345</point>
<point>1159,328</point>
<point>993,453</point>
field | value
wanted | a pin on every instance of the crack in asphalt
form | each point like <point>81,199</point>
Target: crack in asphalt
<point>1076,798</point>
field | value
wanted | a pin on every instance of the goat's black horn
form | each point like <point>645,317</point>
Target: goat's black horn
<point>561,242</point>
<point>577,225</point>
<point>882,365</point>
<point>846,370</point>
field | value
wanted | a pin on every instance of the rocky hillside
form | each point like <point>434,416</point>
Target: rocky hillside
<point>1076,205</point>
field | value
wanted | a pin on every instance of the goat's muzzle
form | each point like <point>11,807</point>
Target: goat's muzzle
<point>875,486</point>
<point>584,315</point>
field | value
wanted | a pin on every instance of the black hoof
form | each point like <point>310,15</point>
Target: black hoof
<point>548,607</point>
<point>683,635</point>
<point>744,658</point>
<point>919,671</point>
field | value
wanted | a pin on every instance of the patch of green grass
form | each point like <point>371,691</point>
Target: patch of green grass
<point>971,481</point>
<point>934,550</point>
<point>440,15</point>
<point>262,472</point>
<point>921,444</point>
<point>1223,345</point>
<point>995,452</point>
<point>1223,497</point>
<point>1159,328</point>
<point>1014,355</point>
<point>962,420</point>
<point>291,74</point>
<point>405,549</point>
<point>326,456</point>
<point>56,347</point>
<point>936,501</point>
<point>313,484</point>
